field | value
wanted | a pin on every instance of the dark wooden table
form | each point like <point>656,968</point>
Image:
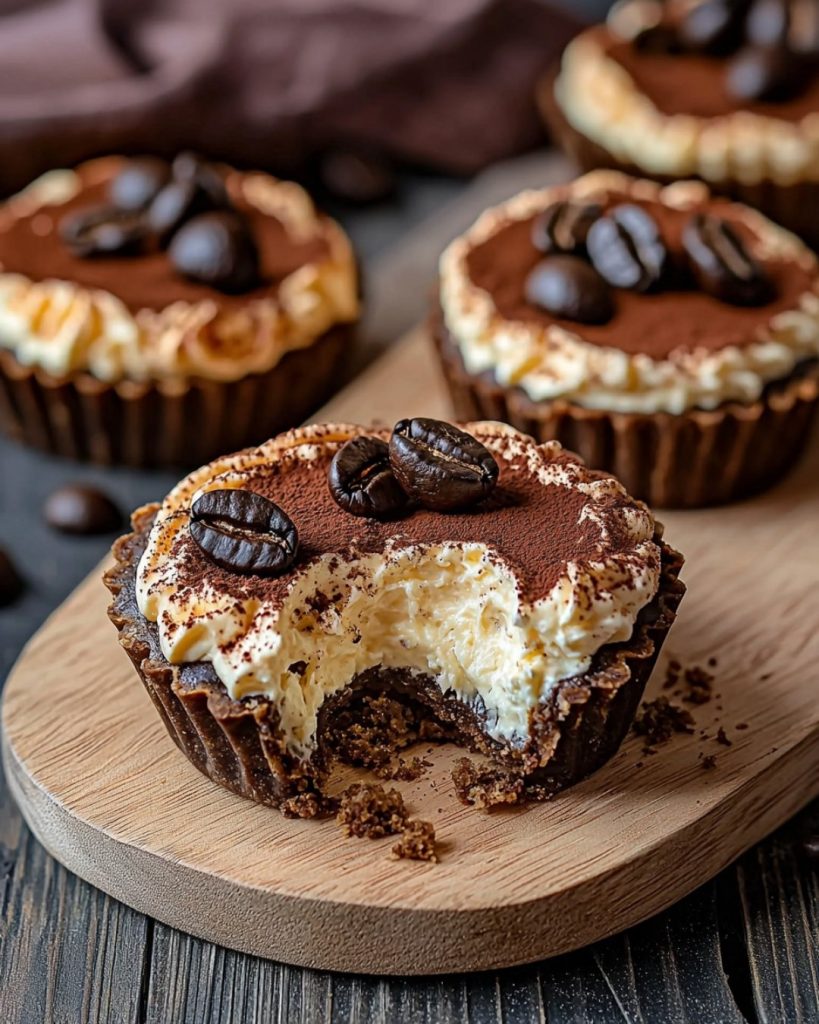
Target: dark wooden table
<point>742,948</point>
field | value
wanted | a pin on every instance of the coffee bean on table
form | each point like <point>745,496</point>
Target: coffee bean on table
<point>218,250</point>
<point>103,231</point>
<point>79,509</point>
<point>721,264</point>
<point>138,182</point>
<point>356,176</point>
<point>627,249</point>
<point>569,288</point>
<point>244,532</point>
<point>11,583</point>
<point>764,73</point>
<point>563,226</point>
<point>439,466</point>
<point>361,479</point>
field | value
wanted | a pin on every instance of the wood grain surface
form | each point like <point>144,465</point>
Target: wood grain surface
<point>111,797</point>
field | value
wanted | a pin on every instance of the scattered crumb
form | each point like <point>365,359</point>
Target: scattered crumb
<point>709,762</point>
<point>741,726</point>
<point>409,771</point>
<point>486,786</point>
<point>659,719</point>
<point>698,685</point>
<point>672,674</point>
<point>722,737</point>
<point>417,842</point>
<point>765,676</point>
<point>368,810</point>
<point>712,662</point>
<point>310,805</point>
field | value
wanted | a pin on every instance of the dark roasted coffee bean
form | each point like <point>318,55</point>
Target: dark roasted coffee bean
<point>440,466</point>
<point>103,231</point>
<point>11,583</point>
<point>182,199</point>
<point>218,250</point>
<point>563,226</point>
<point>362,481</point>
<point>765,73</point>
<point>627,249</point>
<point>768,22</point>
<point>568,288</point>
<point>357,177</point>
<point>138,182</point>
<point>721,264</point>
<point>190,168</point>
<point>714,26</point>
<point>244,532</point>
<point>78,509</point>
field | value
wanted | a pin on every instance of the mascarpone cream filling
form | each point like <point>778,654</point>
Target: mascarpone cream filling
<point>600,99</point>
<point>453,611</point>
<point>551,362</point>
<point>64,328</point>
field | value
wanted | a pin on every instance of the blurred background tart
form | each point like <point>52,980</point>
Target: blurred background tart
<point>665,335</point>
<point>155,313</point>
<point>724,90</point>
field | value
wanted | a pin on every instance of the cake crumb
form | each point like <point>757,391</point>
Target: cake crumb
<point>659,719</point>
<point>709,762</point>
<point>417,842</point>
<point>309,805</point>
<point>367,810</point>
<point>698,685</point>
<point>722,737</point>
<point>411,770</point>
<point>486,786</point>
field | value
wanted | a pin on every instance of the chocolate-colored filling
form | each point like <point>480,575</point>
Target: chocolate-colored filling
<point>696,84</point>
<point>655,324</point>
<point>535,528</point>
<point>148,281</point>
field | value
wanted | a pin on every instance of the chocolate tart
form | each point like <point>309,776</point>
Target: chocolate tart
<point>124,357</point>
<point>240,742</point>
<point>633,95</point>
<point>689,400</point>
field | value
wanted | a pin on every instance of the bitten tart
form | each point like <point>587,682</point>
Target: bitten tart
<point>504,595</point>
<point>668,336</point>
<point>157,314</point>
<point>725,90</point>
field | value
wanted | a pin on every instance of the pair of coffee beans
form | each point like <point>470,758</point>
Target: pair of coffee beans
<point>427,463</point>
<point>183,206</point>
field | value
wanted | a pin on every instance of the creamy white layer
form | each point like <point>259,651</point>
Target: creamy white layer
<point>600,99</point>
<point>453,611</point>
<point>64,328</point>
<point>551,362</point>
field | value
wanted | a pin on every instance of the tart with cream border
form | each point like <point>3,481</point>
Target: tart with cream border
<point>523,627</point>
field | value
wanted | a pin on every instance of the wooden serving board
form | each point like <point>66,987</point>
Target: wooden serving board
<point>107,792</point>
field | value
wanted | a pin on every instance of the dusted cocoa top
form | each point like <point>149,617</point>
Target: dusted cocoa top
<point>652,323</point>
<point>30,244</point>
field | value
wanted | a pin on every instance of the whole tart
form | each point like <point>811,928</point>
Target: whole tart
<point>724,90</point>
<point>524,627</point>
<point>111,351</point>
<point>688,398</point>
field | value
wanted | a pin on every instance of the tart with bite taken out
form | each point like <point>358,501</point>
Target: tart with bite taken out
<point>157,314</point>
<point>666,335</point>
<point>493,590</point>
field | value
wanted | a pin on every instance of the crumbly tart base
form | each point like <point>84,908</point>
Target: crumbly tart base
<point>237,744</point>
<point>691,460</point>
<point>794,206</point>
<point>170,423</point>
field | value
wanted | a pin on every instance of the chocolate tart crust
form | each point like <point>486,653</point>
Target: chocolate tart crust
<point>236,742</point>
<point>794,206</point>
<point>691,460</point>
<point>167,423</point>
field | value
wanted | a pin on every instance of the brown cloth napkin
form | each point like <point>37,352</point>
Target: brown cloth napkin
<point>442,83</point>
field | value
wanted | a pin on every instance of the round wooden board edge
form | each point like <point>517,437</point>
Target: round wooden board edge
<point>356,938</point>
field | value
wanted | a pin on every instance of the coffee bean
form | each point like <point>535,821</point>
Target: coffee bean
<point>191,168</point>
<point>627,249</point>
<point>78,509</point>
<point>768,22</point>
<point>357,177</point>
<point>439,466</point>
<point>138,182</point>
<point>218,250</point>
<point>244,532</point>
<point>362,481</point>
<point>714,26</point>
<point>11,583</point>
<point>721,264</point>
<point>103,231</point>
<point>567,287</point>
<point>765,74</point>
<point>563,226</point>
